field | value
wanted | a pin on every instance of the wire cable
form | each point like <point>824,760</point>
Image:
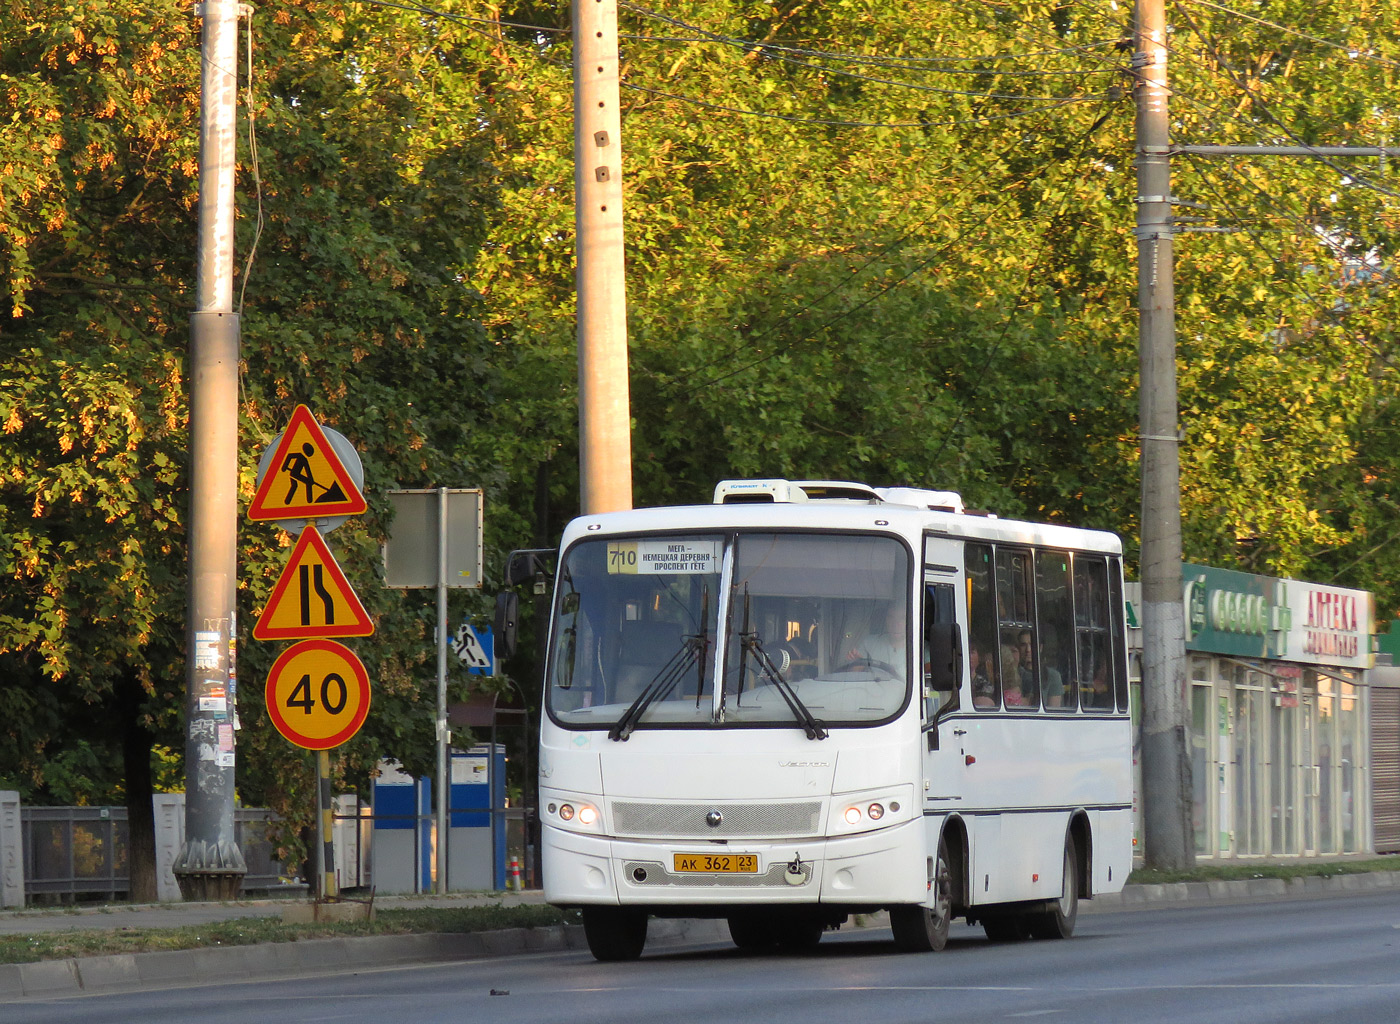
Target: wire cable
<point>1355,53</point>
<point>256,169</point>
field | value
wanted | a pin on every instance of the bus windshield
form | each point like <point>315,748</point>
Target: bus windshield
<point>811,630</point>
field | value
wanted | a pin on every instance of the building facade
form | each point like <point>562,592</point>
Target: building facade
<point>1280,712</point>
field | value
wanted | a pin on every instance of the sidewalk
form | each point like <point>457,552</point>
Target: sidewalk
<point>175,915</point>
<point>87,975</point>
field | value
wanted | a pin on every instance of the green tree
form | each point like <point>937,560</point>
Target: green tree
<point>361,206</point>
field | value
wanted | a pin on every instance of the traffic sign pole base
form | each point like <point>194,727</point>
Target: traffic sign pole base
<point>329,910</point>
<point>209,871</point>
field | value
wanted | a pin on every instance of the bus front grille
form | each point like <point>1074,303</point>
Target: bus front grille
<point>756,821</point>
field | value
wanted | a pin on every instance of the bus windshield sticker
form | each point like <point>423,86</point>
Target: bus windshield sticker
<point>644,557</point>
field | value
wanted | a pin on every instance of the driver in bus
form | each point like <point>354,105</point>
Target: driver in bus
<point>885,645</point>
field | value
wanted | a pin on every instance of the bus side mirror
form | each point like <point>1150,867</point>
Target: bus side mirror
<point>942,672</point>
<point>528,565</point>
<point>507,610</point>
<point>944,646</point>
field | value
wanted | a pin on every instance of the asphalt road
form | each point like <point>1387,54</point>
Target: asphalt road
<point>1318,961</point>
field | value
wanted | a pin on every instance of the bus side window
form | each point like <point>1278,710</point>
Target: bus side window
<point>1055,619</point>
<point>1091,627</point>
<point>1116,612</point>
<point>982,628</point>
<point>1020,682</point>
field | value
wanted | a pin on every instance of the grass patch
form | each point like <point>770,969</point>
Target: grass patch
<point>1228,872</point>
<point>246,931</point>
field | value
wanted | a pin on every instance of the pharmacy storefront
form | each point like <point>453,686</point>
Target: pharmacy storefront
<point>1279,712</point>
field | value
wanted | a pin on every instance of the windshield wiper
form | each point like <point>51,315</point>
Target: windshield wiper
<point>691,652</point>
<point>749,642</point>
<point>661,684</point>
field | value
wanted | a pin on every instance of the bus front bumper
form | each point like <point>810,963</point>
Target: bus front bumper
<point>880,868</point>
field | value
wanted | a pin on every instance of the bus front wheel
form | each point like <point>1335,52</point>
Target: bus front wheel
<point>925,929</point>
<point>615,933</point>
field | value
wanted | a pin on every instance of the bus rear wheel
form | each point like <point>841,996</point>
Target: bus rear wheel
<point>925,929</point>
<point>1058,921</point>
<point>615,933</point>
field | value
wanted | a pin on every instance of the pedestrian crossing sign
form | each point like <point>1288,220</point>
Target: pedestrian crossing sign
<point>305,478</point>
<point>312,598</point>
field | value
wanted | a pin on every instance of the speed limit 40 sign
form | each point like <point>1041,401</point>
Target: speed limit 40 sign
<point>318,694</point>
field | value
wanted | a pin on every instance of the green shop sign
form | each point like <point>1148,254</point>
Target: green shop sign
<point>1237,613</point>
<point>1230,612</point>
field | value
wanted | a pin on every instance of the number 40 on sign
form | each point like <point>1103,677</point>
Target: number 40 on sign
<point>318,694</point>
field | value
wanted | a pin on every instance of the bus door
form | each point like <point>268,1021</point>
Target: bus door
<point>943,601</point>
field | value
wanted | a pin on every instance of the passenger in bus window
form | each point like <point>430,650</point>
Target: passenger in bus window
<point>984,691</point>
<point>1054,688</point>
<point>1011,678</point>
<point>1026,657</point>
<point>1098,695</point>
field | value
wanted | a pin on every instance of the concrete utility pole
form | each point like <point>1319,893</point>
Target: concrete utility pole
<point>210,865</point>
<point>605,416</point>
<point>1166,769</point>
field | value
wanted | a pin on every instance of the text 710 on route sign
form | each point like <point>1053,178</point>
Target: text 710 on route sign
<point>318,694</point>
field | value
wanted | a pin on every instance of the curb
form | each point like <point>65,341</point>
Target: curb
<point>1234,891</point>
<point>222,964</point>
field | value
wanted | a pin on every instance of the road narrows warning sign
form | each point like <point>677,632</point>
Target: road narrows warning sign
<point>305,479</point>
<point>312,597</point>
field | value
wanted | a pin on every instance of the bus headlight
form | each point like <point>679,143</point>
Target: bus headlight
<point>574,814</point>
<point>861,812</point>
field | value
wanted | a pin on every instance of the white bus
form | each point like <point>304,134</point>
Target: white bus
<point>812,699</point>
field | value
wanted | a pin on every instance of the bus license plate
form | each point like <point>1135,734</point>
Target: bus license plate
<point>724,863</point>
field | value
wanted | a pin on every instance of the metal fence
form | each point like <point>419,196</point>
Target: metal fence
<point>72,852</point>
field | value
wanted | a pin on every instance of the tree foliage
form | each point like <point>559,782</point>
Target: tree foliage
<point>868,239</point>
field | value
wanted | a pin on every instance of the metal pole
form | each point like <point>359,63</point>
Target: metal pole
<point>443,782</point>
<point>605,438</point>
<point>209,864</point>
<point>326,820</point>
<point>1165,765</point>
<point>496,810</point>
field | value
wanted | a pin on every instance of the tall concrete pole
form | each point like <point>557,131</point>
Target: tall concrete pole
<point>210,865</point>
<point>605,434</point>
<point>1166,769</point>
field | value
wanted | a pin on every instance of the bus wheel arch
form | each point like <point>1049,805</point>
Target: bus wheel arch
<point>955,838</point>
<point>1057,920</point>
<point>1082,836</point>
<point>920,929</point>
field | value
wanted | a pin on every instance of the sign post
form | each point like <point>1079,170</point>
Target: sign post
<point>309,481</point>
<point>436,542</point>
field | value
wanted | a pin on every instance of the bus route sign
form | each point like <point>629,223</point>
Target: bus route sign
<point>317,694</point>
